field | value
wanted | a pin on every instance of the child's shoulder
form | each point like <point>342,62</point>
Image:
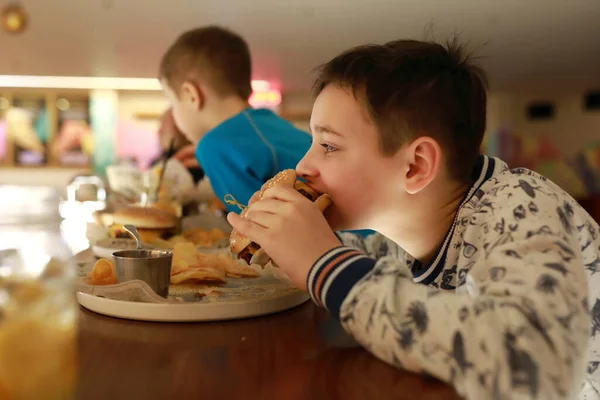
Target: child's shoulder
<point>233,128</point>
<point>520,198</point>
<point>253,126</point>
<point>236,132</point>
<point>518,185</point>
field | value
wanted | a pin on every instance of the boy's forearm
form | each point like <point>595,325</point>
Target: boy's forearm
<point>481,343</point>
<point>333,276</point>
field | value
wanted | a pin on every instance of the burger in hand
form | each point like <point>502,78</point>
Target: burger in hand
<point>251,252</point>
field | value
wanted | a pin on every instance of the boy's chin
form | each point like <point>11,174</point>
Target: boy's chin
<point>336,221</point>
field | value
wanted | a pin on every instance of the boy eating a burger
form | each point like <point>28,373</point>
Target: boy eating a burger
<point>485,277</point>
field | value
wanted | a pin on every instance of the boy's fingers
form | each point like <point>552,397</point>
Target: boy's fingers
<point>254,198</point>
<point>245,226</point>
<point>264,219</point>
<point>282,193</point>
<point>271,206</point>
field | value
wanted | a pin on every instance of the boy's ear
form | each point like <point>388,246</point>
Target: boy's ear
<point>423,162</point>
<point>192,94</point>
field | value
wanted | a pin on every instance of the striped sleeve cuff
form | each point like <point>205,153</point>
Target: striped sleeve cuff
<point>334,274</point>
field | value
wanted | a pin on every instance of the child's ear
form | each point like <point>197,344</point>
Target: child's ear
<point>192,94</point>
<point>424,158</point>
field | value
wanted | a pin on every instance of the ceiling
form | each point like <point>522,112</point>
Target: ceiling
<point>526,44</point>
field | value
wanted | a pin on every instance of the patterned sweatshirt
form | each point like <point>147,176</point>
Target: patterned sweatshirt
<point>502,312</point>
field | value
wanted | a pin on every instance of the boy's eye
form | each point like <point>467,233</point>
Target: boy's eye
<point>328,148</point>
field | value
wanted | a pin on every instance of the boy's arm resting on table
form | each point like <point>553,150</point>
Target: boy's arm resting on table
<point>230,170</point>
<point>516,326</point>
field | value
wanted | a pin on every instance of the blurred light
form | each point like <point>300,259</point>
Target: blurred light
<point>261,86</point>
<point>74,231</point>
<point>83,82</point>
<point>14,18</point>
<point>272,98</point>
<point>78,82</point>
<point>63,104</point>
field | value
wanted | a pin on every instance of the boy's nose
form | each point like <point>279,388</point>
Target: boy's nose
<point>305,168</point>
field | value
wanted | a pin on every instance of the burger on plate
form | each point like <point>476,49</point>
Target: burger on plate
<point>151,223</point>
<point>251,252</point>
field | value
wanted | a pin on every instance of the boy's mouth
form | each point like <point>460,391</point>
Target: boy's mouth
<point>306,191</point>
<point>313,188</point>
<point>247,249</point>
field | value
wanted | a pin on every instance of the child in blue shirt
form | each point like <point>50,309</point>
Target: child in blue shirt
<point>245,151</point>
<point>206,76</point>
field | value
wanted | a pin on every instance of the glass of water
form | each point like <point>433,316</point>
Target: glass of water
<point>38,308</point>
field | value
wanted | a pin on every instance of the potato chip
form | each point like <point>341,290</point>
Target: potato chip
<point>190,265</point>
<point>103,273</point>
<point>198,274</point>
<point>178,266</point>
<point>177,239</point>
<point>225,263</point>
<point>237,270</point>
<point>184,257</point>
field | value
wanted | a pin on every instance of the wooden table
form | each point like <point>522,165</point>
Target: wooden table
<point>299,354</point>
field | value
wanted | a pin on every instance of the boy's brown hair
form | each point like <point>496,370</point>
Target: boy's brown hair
<point>412,88</point>
<point>219,56</point>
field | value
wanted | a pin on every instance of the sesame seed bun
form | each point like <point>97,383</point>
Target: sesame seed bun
<point>145,217</point>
